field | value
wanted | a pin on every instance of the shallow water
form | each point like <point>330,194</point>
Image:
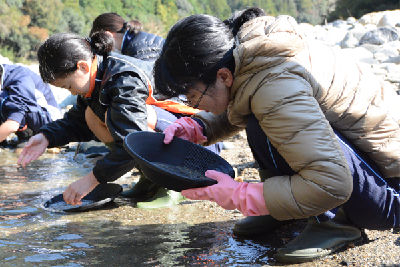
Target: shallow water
<point>189,234</point>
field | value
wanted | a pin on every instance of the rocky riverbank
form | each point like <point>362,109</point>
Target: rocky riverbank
<point>374,40</point>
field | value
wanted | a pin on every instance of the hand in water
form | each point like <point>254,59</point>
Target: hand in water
<point>35,147</point>
<point>79,189</point>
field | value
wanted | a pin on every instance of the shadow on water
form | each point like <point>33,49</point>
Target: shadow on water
<point>33,236</point>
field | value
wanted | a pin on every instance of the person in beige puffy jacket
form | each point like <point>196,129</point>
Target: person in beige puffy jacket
<point>323,129</point>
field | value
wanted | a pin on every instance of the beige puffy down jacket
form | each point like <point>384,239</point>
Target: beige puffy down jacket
<point>299,90</point>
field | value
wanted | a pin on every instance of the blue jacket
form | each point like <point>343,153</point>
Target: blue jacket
<point>25,98</point>
<point>144,46</point>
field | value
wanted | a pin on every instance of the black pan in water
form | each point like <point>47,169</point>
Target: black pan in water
<point>101,195</point>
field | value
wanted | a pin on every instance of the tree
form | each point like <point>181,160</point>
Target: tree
<point>14,30</point>
<point>358,8</point>
<point>167,12</point>
<point>73,21</point>
<point>44,13</point>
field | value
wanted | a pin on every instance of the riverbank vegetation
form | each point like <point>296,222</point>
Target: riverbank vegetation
<point>24,24</point>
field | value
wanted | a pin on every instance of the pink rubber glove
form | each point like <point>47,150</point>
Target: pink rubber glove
<point>248,198</point>
<point>185,128</point>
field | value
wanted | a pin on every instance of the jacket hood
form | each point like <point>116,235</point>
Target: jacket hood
<point>263,43</point>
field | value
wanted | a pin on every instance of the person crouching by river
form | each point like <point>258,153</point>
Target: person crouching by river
<point>130,40</point>
<point>26,103</point>
<point>112,90</point>
<point>324,131</point>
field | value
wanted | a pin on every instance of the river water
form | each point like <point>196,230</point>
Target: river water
<point>119,234</point>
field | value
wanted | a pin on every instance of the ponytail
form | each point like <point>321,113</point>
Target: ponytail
<point>238,18</point>
<point>114,23</point>
<point>59,54</point>
<point>133,26</point>
<point>102,42</point>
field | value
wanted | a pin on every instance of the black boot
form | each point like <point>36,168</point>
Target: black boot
<point>319,239</point>
<point>143,189</point>
<point>255,225</point>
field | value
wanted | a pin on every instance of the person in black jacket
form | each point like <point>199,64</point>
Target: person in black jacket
<point>26,102</point>
<point>113,91</point>
<point>129,38</point>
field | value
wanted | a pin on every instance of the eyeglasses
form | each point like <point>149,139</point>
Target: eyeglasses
<point>189,103</point>
<point>201,97</point>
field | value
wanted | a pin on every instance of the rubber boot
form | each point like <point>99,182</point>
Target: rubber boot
<point>319,239</point>
<point>110,145</point>
<point>163,198</point>
<point>255,225</point>
<point>143,189</point>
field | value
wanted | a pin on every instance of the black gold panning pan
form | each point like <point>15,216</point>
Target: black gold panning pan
<point>100,195</point>
<point>177,166</point>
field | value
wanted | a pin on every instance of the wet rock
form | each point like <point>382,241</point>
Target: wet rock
<point>358,30</point>
<point>351,20</point>
<point>93,147</point>
<point>380,36</point>
<point>53,150</point>
<point>395,60</point>
<point>371,18</point>
<point>349,41</point>
<point>390,18</point>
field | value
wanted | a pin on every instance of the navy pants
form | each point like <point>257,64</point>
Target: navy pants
<point>165,118</point>
<point>374,202</point>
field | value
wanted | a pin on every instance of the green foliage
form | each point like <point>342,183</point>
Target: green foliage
<point>14,37</point>
<point>44,13</point>
<point>25,24</point>
<point>357,8</point>
<point>167,11</point>
<point>72,21</point>
<point>6,51</point>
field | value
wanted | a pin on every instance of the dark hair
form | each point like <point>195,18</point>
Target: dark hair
<point>196,48</point>
<point>238,18</point>
<point>59,54</point>
<point>113,22</point>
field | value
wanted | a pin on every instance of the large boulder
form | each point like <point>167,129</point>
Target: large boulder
<point>381,36</point>
<point>349,41</point>
<point>389,18</point>
<point>371,18</point>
